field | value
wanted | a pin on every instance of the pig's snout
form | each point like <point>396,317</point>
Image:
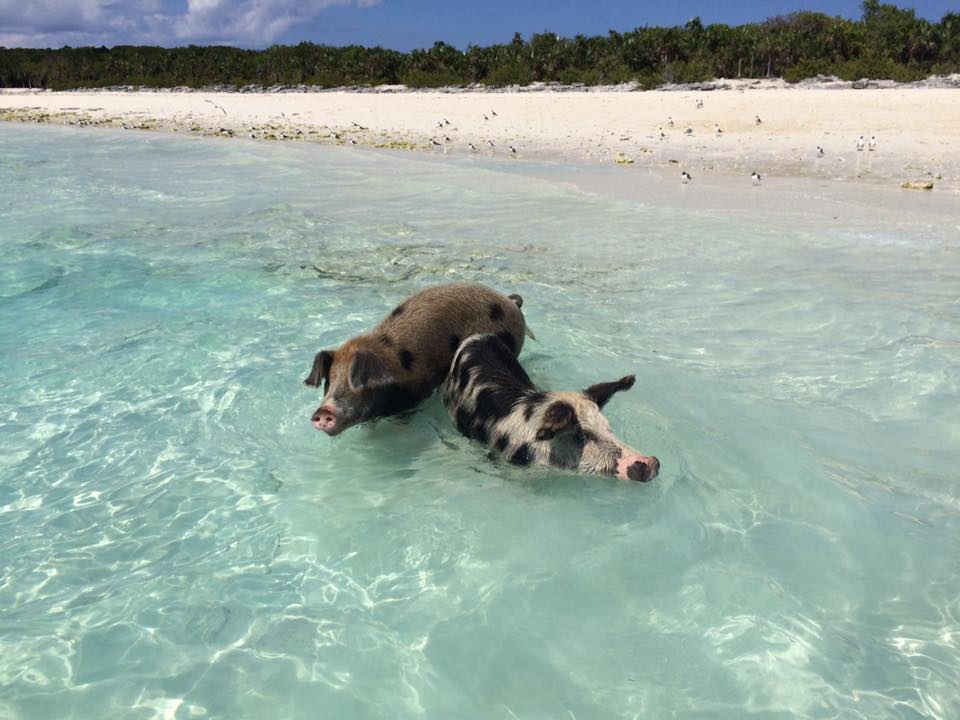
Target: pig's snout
<point>325,418</point>
<point>639,468</point>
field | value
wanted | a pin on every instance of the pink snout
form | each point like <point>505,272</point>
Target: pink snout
<point>636,467</point>
<point>325,418</point>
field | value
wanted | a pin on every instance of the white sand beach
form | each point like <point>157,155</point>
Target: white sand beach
<point>917,130</point>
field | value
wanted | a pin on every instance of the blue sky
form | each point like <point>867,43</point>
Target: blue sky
<point>399,24</point>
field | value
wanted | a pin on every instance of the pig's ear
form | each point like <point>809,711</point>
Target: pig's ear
<point>367,370</point>
<point>321,369</point>
<point>601,392</point>
<point>559,417</point>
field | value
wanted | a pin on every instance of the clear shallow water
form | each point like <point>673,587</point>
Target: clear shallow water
<point>176,541</point>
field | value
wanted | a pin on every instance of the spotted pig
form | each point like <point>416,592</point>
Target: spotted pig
<point>492,400</point>
<point>403,359</point>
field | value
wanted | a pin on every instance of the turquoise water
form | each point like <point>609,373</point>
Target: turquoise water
<point>177,541</point>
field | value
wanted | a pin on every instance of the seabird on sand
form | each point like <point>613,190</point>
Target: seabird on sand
<point>685,177</point>
<point>216,106</point>
<point>688,131</point>
<point>757,120</point>
<point>699,103</point>
<point>755,177</point>
<point>669,121</point>
<point>819,151</point>
<point>662,133</point>
<point>717,130</point>
<point>873,143</point>
<point>860,143</point>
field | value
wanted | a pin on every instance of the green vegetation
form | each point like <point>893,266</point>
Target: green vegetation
<point>887,42</point>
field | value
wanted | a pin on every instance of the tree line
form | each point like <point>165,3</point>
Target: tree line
<point>886,42</point>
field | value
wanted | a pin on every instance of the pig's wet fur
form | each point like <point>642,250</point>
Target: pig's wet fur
<point>400,362</point>
<point>492,400</point>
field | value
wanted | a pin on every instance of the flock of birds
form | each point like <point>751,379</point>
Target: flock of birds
<point>440,141</point>
<point>685,177</point>
<point>755,177</point>
<point>445,140</point>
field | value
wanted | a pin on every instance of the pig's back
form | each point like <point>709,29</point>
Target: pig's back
<point>425,330</point>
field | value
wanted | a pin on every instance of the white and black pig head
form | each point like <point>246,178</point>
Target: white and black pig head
<point>573,433</point>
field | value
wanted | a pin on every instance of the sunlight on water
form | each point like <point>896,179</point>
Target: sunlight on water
<point>176,541</point>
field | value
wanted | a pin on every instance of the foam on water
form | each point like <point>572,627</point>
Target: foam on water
<point>176,541</point>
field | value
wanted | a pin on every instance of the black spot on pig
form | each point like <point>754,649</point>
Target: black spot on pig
<point>464,422</point>
<point>496,312</point>
<point>502,441</point>
<point>406,358</point>
<point>392,399</point>
<point>532,402</point>
<point>497,359</point>
<point>521,456</point>
<point>479,433</point>
<point>494,403</point>
<point>507,339</point>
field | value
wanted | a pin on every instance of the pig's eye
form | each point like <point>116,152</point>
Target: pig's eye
<point>582,436</point>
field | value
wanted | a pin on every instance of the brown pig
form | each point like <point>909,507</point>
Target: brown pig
<point>492,400</point>
<point>403,359</point>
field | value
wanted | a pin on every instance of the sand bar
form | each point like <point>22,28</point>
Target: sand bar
<point>917,129</point>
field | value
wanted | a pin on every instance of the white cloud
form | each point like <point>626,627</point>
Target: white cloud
<point>250,23</point>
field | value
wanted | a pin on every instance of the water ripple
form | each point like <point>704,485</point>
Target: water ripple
<point>176,541</point>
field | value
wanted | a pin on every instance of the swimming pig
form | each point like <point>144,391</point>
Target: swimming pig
<point>401,361</point>
<point>491,399</point>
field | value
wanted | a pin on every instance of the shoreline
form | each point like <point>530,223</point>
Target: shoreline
<point>917,127</point>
